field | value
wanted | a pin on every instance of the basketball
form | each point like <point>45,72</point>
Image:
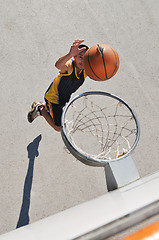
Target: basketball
<point>101,62</point>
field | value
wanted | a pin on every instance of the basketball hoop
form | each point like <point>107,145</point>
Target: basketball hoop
<point>99,128</point>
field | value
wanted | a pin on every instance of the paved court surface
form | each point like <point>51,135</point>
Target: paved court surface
<point>38,178</point>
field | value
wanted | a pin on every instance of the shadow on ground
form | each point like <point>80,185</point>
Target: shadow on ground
<point>32,149</point>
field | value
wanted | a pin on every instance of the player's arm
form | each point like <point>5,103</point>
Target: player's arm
<point>63,62</point>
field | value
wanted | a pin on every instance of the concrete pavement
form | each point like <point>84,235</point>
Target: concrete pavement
<point>38,178</point>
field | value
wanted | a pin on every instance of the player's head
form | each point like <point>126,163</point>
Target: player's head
<point>79,58</point>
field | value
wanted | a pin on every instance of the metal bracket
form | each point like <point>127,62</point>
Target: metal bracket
<point>120,173</point>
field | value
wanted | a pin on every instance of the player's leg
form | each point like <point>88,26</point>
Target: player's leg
<point>53,114</point>
<point>46,110</point>
<point>49,119</point>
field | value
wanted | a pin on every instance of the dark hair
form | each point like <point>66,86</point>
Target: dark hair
<point>83,45</point>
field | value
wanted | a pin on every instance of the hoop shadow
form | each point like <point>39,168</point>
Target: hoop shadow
<point>32,149</point>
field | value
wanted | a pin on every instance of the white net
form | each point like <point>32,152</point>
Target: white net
<point>100,127</point>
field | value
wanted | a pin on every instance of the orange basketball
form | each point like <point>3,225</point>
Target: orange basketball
<point>101,62</point>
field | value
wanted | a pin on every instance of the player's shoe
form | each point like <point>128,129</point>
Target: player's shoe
<point>34,112</point>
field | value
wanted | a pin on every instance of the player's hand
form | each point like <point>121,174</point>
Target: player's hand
<point>74,50</point>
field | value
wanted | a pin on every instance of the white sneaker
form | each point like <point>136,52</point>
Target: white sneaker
<point>34,112</point>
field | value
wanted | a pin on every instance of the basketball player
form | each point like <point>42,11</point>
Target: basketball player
<point>71,76</point>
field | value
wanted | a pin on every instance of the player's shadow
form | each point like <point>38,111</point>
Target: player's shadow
<point>32,149</point>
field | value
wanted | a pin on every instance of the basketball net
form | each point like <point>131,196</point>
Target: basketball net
<point>99,127</point>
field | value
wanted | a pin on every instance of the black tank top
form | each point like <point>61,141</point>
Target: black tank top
<point>69,84</point>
